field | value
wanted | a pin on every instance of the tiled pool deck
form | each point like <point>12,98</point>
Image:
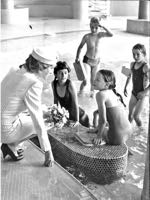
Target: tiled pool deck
<point>28,180</point>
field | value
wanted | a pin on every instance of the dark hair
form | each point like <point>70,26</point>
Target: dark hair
<point>94,20</point>
<point>109,77</point>
<point>32,65</point>
<point>60,65</point>
<point>141,48</point>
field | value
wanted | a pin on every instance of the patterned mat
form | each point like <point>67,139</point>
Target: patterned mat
<point>103,163</point>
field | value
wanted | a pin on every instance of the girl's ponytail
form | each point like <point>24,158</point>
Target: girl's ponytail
<point>119,95</point>
<point>109,77</point>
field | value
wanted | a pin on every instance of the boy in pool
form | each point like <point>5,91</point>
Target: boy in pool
<point>91,59</point>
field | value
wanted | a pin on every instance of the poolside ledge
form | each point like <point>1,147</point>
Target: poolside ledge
<point>28,179</point>
<point>138,26</point>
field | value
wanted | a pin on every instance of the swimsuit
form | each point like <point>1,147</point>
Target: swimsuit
<point>90,61</point>
<point>137,79</point>
<point>67,102</point>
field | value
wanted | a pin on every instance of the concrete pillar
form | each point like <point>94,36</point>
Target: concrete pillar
<point>80,9</point>
<point>145,192</point>
<point>7,4</point>
<point>12,15</point>
<point>142,24</point>
<point>143,9</point>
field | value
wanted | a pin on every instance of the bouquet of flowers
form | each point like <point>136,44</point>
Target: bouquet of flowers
<point>57,115</point>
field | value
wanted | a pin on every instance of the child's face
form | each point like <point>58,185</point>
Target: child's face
<point>138,55</point>
<point>62,75</point>
<point>99,82</point>
<point>94,27</point>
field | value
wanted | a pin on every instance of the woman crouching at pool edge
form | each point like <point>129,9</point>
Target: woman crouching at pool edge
<point>21,89</point>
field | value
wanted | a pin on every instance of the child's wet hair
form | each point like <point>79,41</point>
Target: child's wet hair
<point>94,20</point>
<point>141,48</point>
<point>109,77</point>
<point>60,65</point>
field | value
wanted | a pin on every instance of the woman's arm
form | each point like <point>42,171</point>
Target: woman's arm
<point>33,102</point>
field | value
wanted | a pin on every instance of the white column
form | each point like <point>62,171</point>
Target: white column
<point>12,15</point>
<point>80,9</point>
<point>7,4</point>
<point>143,9</point>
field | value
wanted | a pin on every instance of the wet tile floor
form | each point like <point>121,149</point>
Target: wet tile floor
<point>27,179</point>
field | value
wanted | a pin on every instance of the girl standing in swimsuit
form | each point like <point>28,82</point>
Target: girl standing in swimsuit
<point>91,59</point>
<point>139,71</point>
<point>113,125</point>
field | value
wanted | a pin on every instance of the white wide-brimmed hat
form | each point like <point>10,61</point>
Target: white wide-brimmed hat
<point>45,55</point>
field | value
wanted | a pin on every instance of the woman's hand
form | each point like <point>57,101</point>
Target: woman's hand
<point>49,159</point>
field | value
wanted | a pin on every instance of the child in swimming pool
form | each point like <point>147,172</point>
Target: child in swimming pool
<point>139,71</point>
<point>91,59</point>
<point>65,94</point>
<point>113,125</point>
